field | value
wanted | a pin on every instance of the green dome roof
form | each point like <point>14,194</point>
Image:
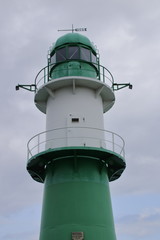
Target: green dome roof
<point>73,38</point>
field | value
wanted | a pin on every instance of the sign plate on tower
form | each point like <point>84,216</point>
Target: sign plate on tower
<point>77,235</point>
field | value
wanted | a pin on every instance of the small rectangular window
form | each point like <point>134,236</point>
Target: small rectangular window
<point>75,120</point>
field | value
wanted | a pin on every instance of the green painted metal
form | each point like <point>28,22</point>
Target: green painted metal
<point>37,164</point>
<point>76,191</point>
<point>77,199</point>
<point>70,38</point>
<point>103,75</point>
<point>73,68</point>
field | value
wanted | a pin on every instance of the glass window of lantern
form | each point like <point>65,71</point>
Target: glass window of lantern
<point>73,52</point>
<point>61,55</point>
<point>94,59</point>
<point>53,59</point>
<point>85,54</point>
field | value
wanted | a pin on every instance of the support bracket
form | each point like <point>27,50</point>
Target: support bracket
<point>51,93</point>
<point>118,86</point>
<point>74,86</point>
<point>31,87</point>
<point>99,90</point>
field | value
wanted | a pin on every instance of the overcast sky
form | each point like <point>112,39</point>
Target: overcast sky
<point>127,34</point>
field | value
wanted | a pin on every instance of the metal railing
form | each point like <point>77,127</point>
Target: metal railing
<point>81,136</point>
<point>104,74</point>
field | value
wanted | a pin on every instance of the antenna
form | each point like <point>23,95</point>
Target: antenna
<point>73,29</point>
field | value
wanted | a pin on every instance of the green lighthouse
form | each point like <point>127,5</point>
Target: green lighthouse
<point>75,157</point>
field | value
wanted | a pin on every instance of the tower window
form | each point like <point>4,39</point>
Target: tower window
<point>85,54</point>
<point>61,55</point>
<point>73,52</point>
<point>53,59</point>
<point>94,59</point>
<point>75,120</point>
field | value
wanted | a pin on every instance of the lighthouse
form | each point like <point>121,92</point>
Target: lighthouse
<point>75,157</point>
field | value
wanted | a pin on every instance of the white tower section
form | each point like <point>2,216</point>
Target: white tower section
<point>74,108</point>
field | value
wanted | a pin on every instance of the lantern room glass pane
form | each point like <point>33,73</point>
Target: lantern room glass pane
<point>53,59</point>
<point>94,59</point>
<point>61,55</point>
<point>85,54</point>
<point>73,52</point>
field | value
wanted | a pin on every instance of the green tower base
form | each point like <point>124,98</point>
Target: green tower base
<point>76,192</point>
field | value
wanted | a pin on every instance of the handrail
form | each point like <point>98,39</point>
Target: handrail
<point>111,141</point>
<point>104,74</point>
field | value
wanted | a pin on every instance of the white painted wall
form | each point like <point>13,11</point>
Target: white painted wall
<point>80,109</point>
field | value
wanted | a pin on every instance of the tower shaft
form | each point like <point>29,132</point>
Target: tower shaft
<point>77,199</point>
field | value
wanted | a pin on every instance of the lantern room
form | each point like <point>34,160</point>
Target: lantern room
<point>73,55</point>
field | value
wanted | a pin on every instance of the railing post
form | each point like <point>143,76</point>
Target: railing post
<point>67,136</point>
<point>44,75</point>
<point>48,73</point>
<point>38,142</point>
<point>122,151</point>
<point>103,75</point>
<point>113,140</point>
<point>27,153</point>
<point>99,70</point>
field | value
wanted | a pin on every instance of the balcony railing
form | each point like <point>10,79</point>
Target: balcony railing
<point>76,136</point>
<point>104,75</point>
